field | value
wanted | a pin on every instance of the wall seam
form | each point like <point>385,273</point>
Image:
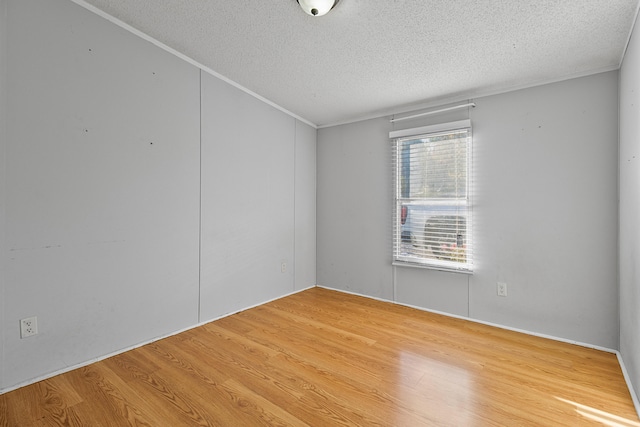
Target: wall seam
<point>200,198</point>
<point>186,58</point>
<point>3,138</point>
<point>295,188</point>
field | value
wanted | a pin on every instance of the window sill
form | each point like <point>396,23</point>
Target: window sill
<point>431,267</point>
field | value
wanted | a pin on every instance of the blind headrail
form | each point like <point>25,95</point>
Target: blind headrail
<point>428,113</point>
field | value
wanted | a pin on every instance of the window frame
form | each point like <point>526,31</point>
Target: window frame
<point>411,260</point>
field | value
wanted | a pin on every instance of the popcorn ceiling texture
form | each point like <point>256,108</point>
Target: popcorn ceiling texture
<point>369,57</point>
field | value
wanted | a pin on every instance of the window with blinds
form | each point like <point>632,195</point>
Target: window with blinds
<point>432,209</point>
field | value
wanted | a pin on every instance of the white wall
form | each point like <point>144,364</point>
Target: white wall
<point>545,213</point>
<point>101,192</point>
<point>630,209</point>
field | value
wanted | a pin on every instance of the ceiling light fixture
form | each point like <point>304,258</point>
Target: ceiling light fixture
<point>317,7</point>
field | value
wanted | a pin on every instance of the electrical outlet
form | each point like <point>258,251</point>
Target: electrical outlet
<point>502,289</point>
<point>28,327</point>
<point>283,267</point>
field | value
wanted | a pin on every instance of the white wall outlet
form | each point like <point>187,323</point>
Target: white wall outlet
<point>283,267</point>
<point>501,289</point>
<point>28,327</point>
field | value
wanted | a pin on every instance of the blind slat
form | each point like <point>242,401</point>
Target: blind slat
<point>431,212</point>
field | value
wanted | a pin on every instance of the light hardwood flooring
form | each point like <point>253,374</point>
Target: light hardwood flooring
<point>324,358</point>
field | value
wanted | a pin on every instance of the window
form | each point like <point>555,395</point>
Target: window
<point>432,209</point>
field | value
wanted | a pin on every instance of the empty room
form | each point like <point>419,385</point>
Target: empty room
<point>319,213</point>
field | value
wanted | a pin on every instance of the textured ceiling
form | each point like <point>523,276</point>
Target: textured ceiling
<point>369,57</point>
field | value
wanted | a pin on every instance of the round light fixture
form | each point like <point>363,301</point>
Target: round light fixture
<point>317,7</point>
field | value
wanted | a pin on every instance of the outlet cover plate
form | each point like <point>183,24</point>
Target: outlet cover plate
<point>501,289</point>
<point>28,327</point>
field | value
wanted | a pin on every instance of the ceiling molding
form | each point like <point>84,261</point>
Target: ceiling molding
<point>186,58</point>
<point>405,57</point>
<point>471,95</point>
<point>634,27</point>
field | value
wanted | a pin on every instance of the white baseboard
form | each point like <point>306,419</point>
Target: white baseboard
<point>627,379</point>
<point>625,374</point>
<point>470,319</point>
<point>133,347</point>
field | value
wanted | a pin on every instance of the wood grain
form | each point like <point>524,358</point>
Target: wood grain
<point>324,358</point>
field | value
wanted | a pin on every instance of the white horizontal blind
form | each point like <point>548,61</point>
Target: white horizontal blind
<point>432,208</point>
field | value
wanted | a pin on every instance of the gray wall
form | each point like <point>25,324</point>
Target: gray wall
<point>545,213</point>
<point>3,138</point>
<point>101,189</point>
<point>100,229</point>
<point>630,209</point>
<point>117,229</point>
<point>251,189</point>
<point>305,207</point>
<point>354,213</point>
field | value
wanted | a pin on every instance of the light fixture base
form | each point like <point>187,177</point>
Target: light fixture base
<point>317,7</point>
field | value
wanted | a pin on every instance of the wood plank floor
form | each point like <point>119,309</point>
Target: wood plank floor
<point>324,358</point>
